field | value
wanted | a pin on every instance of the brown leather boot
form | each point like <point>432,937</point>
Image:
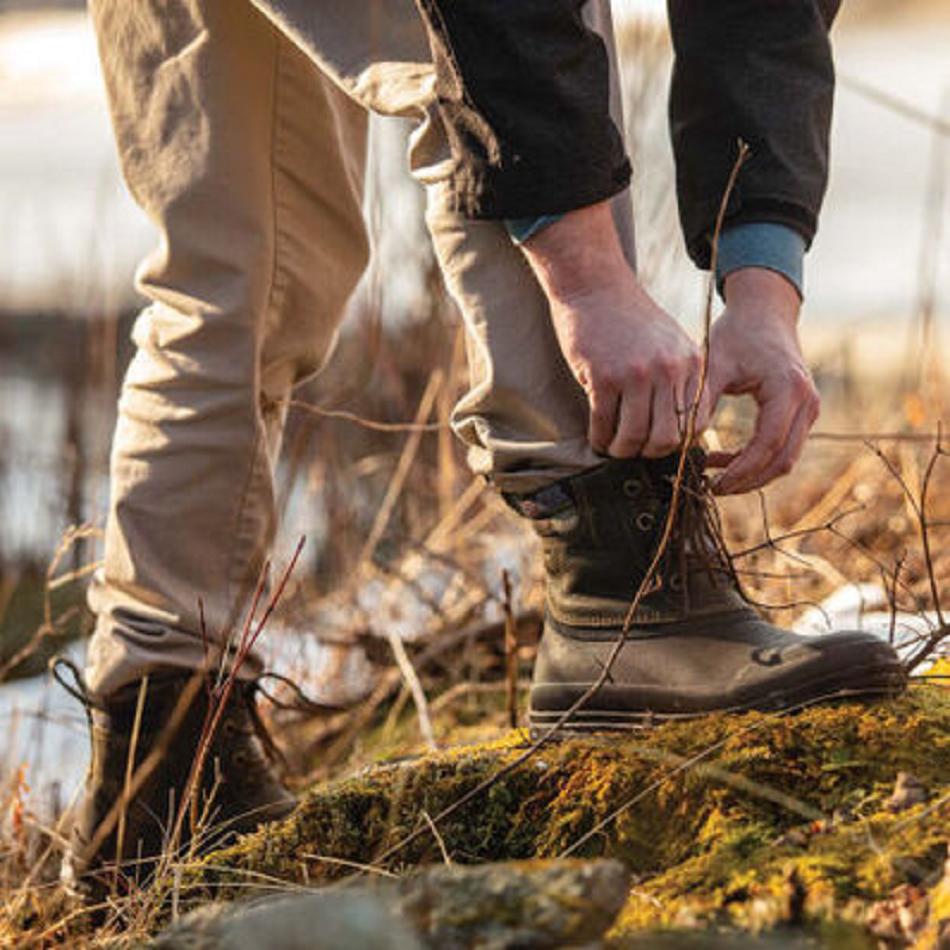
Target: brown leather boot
<point>694,645</point>
<point>238,788</point>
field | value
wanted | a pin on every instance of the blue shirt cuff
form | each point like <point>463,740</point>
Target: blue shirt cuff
<point>762,244</point>
<point>521,229</point>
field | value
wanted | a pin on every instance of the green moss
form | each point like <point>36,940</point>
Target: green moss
<point>734,838</point>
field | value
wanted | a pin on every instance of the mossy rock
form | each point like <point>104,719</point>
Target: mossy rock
<point>747,821</point>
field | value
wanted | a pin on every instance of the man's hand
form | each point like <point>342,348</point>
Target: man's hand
<point>754,349</point>
<point>639,369</point>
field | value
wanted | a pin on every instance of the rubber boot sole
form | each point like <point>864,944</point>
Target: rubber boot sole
<point>620,709</point>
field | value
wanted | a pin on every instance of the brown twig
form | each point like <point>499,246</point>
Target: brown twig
<point>511,654</point>
<point>374,425</point>
<point>402,469</point>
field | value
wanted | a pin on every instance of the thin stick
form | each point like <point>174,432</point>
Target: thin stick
<point>402,470</point>
<point>895,104</point>
<point>511,654</point>
<point>415,686</point>
<point>438,837</point>
<point>215,711</point>
<point>373,424</point>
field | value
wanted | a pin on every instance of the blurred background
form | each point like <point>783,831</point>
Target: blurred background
<point>878,295</point>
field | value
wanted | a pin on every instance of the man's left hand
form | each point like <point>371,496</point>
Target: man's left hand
<point>754,349</point>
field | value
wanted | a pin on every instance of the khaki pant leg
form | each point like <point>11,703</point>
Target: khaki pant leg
<point>250,163</point>
<point>524,418</point>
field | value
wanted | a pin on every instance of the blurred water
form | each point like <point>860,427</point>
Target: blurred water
<point>73,237</point>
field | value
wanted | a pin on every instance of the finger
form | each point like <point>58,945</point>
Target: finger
<point>794,445</point>
<point>634,425</point>
<point>720,459</point>
<point>604,405</point>
<point>664,437</point>
<point>771,428</point>
<point>715,386</point>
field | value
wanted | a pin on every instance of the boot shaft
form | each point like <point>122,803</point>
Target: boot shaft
<point>601,536</point>
<point>235,790</point>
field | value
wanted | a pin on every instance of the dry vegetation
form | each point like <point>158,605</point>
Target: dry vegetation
<point>746,821</point>
<point>870,506</point>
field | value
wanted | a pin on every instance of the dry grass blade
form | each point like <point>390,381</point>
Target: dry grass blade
<point>438,838</point>
<point>129,770</point>
<point>414,685</point>
<point>895,104</point>
<point>398,481</point>
<point>51,626</point>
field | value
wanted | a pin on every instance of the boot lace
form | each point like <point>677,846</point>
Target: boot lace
<point>696,543</point>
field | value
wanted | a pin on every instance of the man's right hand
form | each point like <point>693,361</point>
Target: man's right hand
<point>638,367</point>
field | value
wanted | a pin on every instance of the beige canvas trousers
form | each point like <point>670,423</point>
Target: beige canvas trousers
<point>242,132</point>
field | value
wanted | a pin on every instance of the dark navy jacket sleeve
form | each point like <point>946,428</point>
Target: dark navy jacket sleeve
<point>760,71</point>
<point>523,90</point>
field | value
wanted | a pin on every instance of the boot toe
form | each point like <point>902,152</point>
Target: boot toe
<point>850,663</point>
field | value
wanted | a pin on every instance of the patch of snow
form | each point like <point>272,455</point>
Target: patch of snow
<point>866,607</point>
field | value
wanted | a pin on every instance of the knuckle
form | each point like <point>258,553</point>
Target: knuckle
<point>801,383</point>
<point>660,445</point>
<point>669,367</point>
<point>637,373</point>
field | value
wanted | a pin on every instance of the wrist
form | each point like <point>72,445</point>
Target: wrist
<point>762,295</point>
<point>763,244</point>
<point>578,254</point>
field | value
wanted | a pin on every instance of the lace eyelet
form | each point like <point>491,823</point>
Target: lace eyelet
<point>645,521</point>
<point>676,582</point>
<point>632,487</point>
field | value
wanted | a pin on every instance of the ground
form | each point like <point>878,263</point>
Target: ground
<point>753,822</point>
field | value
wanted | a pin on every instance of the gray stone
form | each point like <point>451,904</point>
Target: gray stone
<point>519,904</point>
<point>530,904</point>
<point>323,920</point>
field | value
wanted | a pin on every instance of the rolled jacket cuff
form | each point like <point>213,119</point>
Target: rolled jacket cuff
<point>765,244</point>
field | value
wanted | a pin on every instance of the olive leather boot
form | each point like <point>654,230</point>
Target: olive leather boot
<point>238,788</point>
<point>694,645</point>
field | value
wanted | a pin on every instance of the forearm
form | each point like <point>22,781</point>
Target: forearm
<point>576,253</point>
